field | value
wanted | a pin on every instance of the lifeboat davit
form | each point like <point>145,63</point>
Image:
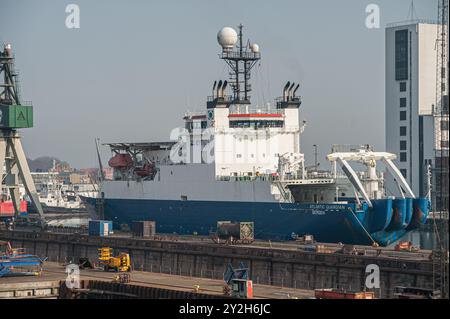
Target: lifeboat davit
<point>121,161</point>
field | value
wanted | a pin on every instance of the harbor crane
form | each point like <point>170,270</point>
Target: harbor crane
<point>13,116</point>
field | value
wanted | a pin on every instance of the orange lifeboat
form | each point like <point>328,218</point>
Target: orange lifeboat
<point>121,161</point>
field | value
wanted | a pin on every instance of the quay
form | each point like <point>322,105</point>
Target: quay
<point>285,265</point>
<point>99,284</point>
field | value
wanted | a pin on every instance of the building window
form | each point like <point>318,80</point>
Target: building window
<point>402,145</point>
<point>401,55</point>
<point>402,86</point>
<point>402,156</point>
<point>402,115</point>
<point>402,130</point>
<point>403,102</point>
<point>444,125</point>
<point>444,144</point>
<point>404,172</point>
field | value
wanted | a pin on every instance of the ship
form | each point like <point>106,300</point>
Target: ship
<point>237,161</point>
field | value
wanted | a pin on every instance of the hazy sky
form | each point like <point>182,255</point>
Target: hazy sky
<point>134,67</point>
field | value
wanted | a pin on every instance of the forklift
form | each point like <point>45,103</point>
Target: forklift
<point>121,263</point>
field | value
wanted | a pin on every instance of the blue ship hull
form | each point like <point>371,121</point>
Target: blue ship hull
<point>331,223</point>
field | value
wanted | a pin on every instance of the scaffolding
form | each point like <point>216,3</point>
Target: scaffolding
<point>441,167</point>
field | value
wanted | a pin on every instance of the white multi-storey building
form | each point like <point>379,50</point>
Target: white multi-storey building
<point>410,98</point>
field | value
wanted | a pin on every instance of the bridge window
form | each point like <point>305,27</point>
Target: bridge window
<point>256,124</point>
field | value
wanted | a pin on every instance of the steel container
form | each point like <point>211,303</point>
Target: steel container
<point>100,227</point>
<point>242,230</point>
<point>144,228</point>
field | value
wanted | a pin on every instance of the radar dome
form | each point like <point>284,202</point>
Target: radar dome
<point>227,37</point>
<point>255,48</point>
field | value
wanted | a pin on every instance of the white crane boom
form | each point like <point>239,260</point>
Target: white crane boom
<point>398,176</point>
<point>353,178</point>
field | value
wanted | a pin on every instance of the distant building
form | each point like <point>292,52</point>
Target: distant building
<point>411,128</point>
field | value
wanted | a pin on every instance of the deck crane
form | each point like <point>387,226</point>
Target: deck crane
<point>368,188</point>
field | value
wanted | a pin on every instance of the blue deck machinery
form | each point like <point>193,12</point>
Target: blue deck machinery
<point>16,262</point>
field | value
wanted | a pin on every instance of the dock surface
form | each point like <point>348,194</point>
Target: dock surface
<point>53,272</point>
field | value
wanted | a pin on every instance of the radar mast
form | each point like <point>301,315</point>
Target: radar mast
<point>240,59</point>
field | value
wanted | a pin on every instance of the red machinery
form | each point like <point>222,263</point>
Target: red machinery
<point>7,208</point>
<point>121,161</point>
<point>146,170</point>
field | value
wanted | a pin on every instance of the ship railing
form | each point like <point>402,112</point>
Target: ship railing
<point>256,110</point>
<point>193,113</point>
<point>338,148</point>
<point>316,175</point>
<point>256,127</point>
<point>247,129</point>
<point>261,177</point>
<point>239,55</point>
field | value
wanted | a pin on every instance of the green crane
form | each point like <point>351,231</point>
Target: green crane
<point>13,116</point>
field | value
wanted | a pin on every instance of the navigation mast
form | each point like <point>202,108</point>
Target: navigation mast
<point>241,58</point>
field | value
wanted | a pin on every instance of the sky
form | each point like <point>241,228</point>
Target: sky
<point>133,68</point>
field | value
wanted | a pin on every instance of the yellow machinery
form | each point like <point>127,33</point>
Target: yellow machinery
<point>122,278</point>
<point>120,263</point>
